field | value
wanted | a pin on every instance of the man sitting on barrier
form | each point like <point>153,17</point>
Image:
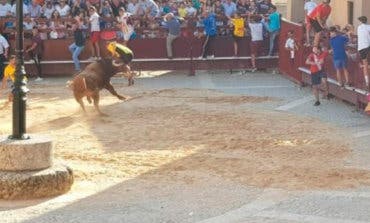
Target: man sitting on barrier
<point>174,29</point>
<point>123,56</point>
<point>317,19</point>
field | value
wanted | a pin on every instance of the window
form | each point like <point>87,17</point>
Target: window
<point>350,7</point>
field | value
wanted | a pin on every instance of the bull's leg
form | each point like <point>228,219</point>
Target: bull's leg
<point>96,99</point>
<point>79,100</point>
<point>110,88</point>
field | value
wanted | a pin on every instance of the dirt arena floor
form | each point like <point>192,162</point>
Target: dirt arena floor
<point>188,136</point>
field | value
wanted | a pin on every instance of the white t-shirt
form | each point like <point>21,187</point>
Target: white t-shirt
<point>14,8</point>
<point>5,9</point>
<point>256,31</point>
<point>363,33</point>
<point>131,8</point>
<point>3,44</point>
<point>63,12</point>
<point>47,12</point>
<point>94,20</point>
<point>190,11</point>
<point>124,17</point>
<point>289,44</point>
<point>309,6</point>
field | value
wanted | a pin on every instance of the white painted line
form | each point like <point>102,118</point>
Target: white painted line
<point>336,194</point>
<point>295,103</point>
<point>254,87</point>
<point>361,134</point>
<point>303,218</point>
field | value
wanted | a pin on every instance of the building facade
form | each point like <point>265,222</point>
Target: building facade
<point>343,11</point>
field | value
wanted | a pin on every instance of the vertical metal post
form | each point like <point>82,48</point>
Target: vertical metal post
<point>20,89</point>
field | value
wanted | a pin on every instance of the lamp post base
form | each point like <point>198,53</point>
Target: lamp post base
<point>53,181</point>
<point>27,170</point>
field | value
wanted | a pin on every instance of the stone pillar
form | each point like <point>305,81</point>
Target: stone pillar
<point>27,170</point>
<point>295,10</point>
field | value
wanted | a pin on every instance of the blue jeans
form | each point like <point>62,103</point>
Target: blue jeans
<point>273,36</point>
<point>76,51</point>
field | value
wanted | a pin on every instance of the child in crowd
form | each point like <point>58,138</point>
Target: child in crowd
<point>9,78</point>
<point>256,28</point>
<point>106,10</point>
<point>125,25</point>
<point>182,10</point>
<point>291,46</point>
<point>338,44</point>
<point>239,29</point>
<point>316,61</point>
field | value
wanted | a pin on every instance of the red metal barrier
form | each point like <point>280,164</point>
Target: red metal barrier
<point>290,69</point>
<point>286,65</point>
<point>184,47</point>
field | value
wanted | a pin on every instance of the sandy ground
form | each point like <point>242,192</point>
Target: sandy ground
<point>187,137</point>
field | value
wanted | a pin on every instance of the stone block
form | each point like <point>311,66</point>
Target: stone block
<point>31,154</point>
<point>52,181</point>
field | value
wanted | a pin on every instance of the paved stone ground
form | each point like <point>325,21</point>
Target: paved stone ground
<point>277,206</point>
<point>268,205</point>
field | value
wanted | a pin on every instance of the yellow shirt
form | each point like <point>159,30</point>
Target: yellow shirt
<point>238,27</point>
<point>9,72</point>
<point>182,12</point>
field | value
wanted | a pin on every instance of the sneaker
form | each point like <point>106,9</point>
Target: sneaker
<point>38,79</point>
<point>317,103</point>
<point>254,70</point>
<point>211,57</point>
<point>92,58</point>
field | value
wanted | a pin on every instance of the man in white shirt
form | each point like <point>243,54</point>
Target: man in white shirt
<point>190,10</point>
<point>309,6</point>
<point>4,49</point>
<point>95,33</point>
<point>14,8</point>
<point>5,8</point>
<point>151,8</point>
<point>256,27</point>
<point>133,7</point>
<point>63,8</point>
<point>363,35</point>
<point>35,9</point>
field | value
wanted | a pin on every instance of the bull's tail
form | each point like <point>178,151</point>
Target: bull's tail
<point>69,85</point>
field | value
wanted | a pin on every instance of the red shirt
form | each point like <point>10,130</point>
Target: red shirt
<point>322,10</point>
<point>319,60</point>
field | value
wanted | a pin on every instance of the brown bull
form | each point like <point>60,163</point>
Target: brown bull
<point>94,78</point>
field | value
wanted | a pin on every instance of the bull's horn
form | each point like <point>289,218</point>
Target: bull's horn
<point>116,64</point>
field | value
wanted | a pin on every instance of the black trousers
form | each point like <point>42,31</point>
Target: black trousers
<point>2,66</point>
<point>37,59</point>
<point>208,46</point>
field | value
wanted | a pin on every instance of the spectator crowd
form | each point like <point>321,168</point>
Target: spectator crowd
<point>127,16</point>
